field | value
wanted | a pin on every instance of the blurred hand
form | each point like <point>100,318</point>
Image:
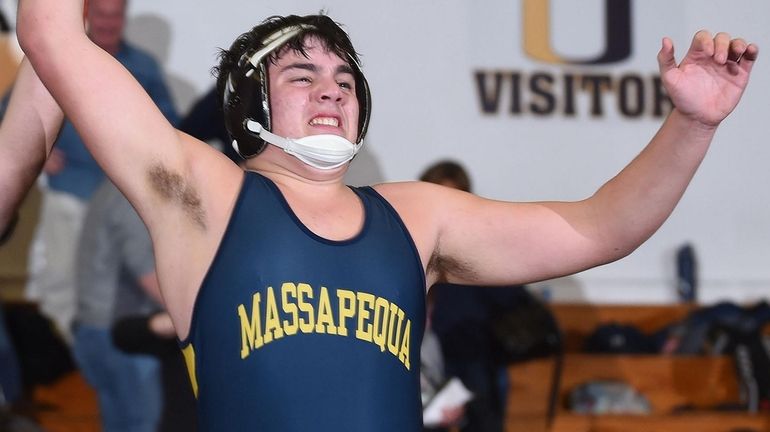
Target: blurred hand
<point>452,416</point>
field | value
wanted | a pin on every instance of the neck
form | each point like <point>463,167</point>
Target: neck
<point>287,170</point>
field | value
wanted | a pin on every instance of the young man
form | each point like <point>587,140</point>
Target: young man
<point>300,301</point>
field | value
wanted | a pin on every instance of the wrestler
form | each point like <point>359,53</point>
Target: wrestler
<point>300,301</point>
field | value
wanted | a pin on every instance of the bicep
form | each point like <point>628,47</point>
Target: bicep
<point>500,243</point>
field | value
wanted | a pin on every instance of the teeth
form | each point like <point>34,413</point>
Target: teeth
<point>325,121</point>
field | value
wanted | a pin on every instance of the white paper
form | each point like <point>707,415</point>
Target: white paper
<point>452,394</point>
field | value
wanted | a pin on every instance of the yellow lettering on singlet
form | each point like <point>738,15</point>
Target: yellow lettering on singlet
<point>376,320</point>
<point>403,355</point>
<point>325,323</point>
<point>380,328</point>
<point>251,327</point>
<point>306,291</point>
<point>347,309</point>
<point>394,329</point>
<point>272,321</point>
<point>290,307</point>
<point>365,306</point>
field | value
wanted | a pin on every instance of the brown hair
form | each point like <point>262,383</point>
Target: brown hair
<point>447,171</point>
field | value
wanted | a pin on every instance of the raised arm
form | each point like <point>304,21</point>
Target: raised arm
<point>113,114</point>
<point>27,133</point>
<point>141,152</point>
<point>182,189</point>
<point>493,242</point>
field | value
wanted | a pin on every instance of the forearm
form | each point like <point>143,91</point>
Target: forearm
<point>630,207</point>
<point>52,35</point>
<point>27,134</point>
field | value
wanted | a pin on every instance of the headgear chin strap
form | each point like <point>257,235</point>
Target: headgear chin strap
<point>325,151</point>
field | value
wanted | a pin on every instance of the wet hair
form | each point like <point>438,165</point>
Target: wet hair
<point>447,170</point>
<point>322,28</point>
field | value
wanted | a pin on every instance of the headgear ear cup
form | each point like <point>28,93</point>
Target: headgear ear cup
<point>241,103</point>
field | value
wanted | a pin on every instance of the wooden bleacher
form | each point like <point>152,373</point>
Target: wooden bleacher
<point>668,382</point>
<point>698,383</point>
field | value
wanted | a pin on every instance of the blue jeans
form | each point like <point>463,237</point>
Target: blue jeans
<point>128,386</point>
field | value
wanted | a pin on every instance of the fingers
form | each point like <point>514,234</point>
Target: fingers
<point>736,49</point>
<point>749,57</point>
<point>702,44</point>
<point>722,48</point>
<point>666,59</point>
<point>740,52</point>
<point>722,45</point>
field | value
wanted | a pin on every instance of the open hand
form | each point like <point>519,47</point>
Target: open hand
<point>708,83</point>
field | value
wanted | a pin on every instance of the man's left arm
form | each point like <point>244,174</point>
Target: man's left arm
<point>483,241</point>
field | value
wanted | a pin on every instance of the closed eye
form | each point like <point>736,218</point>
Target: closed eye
<point>302,79</point>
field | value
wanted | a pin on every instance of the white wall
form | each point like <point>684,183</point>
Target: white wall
<point>420,57</point>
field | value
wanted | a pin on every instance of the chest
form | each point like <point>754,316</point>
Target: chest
<point>335,218</point>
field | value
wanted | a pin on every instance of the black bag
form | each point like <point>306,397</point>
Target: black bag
<point>616,338</point>
<point>527,330</point>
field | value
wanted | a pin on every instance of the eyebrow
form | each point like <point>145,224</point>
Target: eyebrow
<point>310,67</point>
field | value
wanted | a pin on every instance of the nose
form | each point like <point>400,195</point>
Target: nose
<point>329,90</point>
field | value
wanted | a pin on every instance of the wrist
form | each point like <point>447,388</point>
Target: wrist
<point>693,123</point>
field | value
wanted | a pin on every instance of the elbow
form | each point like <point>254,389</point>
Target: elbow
<point>36,34</point>
<point>619,253</point>
<point>30,39</point>
<point>622,247</point>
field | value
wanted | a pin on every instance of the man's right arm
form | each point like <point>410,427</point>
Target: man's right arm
<point>182,188</point>
<point>27,133</point>
<point>113,114</point>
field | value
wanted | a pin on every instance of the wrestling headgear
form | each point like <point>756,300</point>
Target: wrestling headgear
<point>246,91</point>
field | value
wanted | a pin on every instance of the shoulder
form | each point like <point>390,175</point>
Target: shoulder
<point>405,190</point>
<point>425,196</point>
<point>424,208</point>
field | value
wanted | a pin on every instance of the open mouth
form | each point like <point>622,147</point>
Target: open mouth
<point>325,121</point>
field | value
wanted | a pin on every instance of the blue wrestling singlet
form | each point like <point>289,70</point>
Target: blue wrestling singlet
<point>293,332</point>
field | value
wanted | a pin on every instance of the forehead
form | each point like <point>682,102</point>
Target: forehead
<point>314,50</point>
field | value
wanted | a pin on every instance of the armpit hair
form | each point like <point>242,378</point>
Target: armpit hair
<point>173,187</point>
<point>444,266</point>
